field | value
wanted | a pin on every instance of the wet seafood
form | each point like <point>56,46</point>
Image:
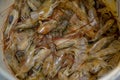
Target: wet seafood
<point>46,9</point>
<point>46,27</point>
<point>114,47</point>
<point>62,39</point>
<point>28,23</point>
<point>34,4</point>
<point>107,26</point>
<point>12,20</point>
<point>111,6</point>
<point>25,11</point>
<point>100,44</point>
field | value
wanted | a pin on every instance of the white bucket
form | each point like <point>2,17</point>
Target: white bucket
<point>5,74</point>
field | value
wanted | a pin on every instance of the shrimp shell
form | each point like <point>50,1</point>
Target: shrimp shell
<point>112,48</point>
<point>25,11</point>
<point>46,9</point>
<point>107,26</point>
<point>46,27</point>
<point>100,44</point>
<point>34,4</point>
<point>11,22</point>
<point>26,24</point>
<point>29,63</point>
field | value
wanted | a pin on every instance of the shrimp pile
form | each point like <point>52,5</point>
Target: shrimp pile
<point>62,39</point>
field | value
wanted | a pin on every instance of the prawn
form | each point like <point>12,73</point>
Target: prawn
<point>111,49</point>
<point>107,26</point>
<point>100,44</point>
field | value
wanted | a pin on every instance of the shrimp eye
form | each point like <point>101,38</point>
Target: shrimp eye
<point>20,55</point>
<point>10,19</point>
